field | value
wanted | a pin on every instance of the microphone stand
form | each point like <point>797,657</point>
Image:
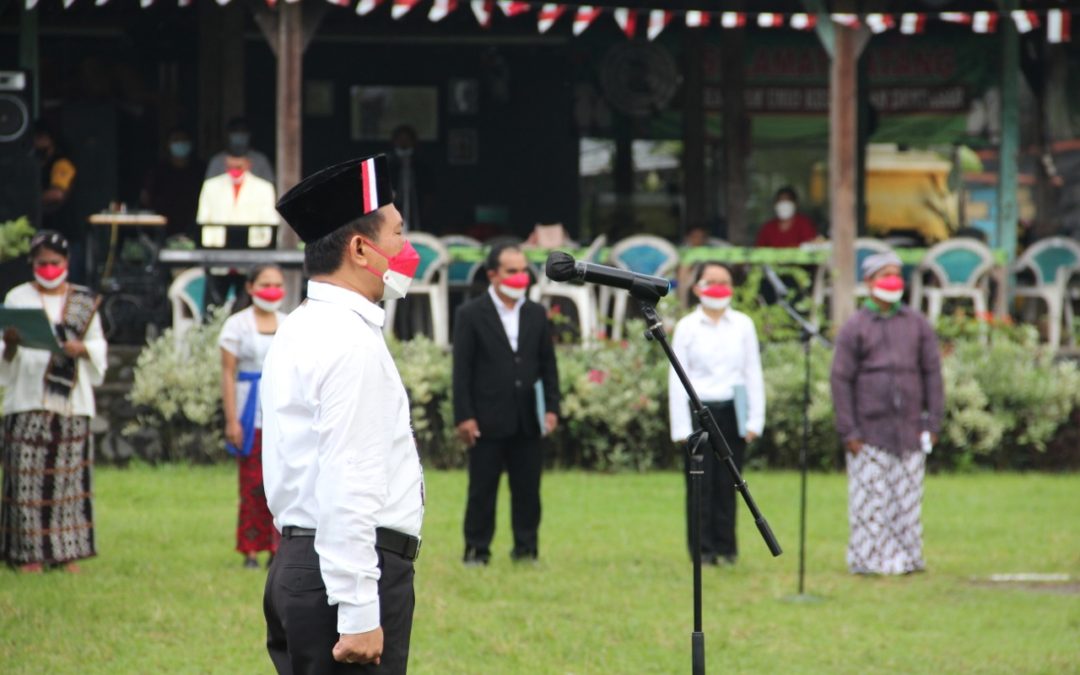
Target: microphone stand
<point>808,332</point>
<point>647,297</point>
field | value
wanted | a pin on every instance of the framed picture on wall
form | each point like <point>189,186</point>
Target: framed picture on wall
<point>375,111</point>
<point>461,147</point>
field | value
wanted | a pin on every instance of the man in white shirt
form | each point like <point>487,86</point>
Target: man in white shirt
<point>718,348</point>
<point>237,197</point>
<point>340,467</point>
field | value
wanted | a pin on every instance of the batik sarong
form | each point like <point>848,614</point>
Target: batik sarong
<point>884,511</point>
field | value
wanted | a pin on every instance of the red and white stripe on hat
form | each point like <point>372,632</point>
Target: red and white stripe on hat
<point>627,20</point>
<point>440,9</point>
<point>912,23</point>
<point>696,18</point>
<point>513,8</point>
<point>803,21</point>
<point>584,18</point>
<point>879,23</point>
<point>368,185</point>
<point>845,19</point>
<point>482,9</point>
<point>729,19</point>
<point>984,22</point>
<point>1025,21</point>
<point>658,21</point>
<point>1058,26</point>
<point>770,20</point>
<point>549,14</point>
<point>400,8</point>
<point>365,7</point>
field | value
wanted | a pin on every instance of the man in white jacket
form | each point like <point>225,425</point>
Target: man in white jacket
<point>237,197</point>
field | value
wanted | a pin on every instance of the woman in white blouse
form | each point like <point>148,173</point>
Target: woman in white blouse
<point>47,513</point>
<point>718,348</point>
<point>245,339</point>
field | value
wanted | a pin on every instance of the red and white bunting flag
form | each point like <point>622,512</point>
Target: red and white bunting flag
<point>770,20</point>
<point>695,18</point>
<point>68,4</point>
<point>1058,26</point>
<point>584,17</point>
<point>513,8</point>
<point>483,10</point>
<point>145,3</point>
<point>912,24</point>
<point>440,9</point>
<point>30,4</point>
<point>100,3</point>
<point>879,23</point>
<point>549,14</point>
<point>846,20</point>
<point>984,22</point>
<point>658,21</point>
<point>730,19</point>
<point>339,3</point>
<point>803,21</point>
<point>1025,21</point>
<point>400,8</point>
<point>955,17</point>
<point>365,7</point>
<point>183,3</point>
<point>627,20</point>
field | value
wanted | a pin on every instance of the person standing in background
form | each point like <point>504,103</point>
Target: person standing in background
<point>718,348</point>
<point>238,144</point>
<point>411,178</point>
<point>172,187</point>
<point>889,400</point>
<point>58,175</point>
<point>789,229</point>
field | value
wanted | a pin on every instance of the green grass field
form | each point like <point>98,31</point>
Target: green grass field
<point>612,593</point>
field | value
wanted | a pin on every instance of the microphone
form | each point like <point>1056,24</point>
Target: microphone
<point>774,280</point>
<point>562,267</point>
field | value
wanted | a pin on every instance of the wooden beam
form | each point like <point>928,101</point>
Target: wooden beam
<point>736,136</point>
<point>843,161</point>
<point>693,160</point>
<point>1010,134</point>
<point>290,66</point>
<point>29,56</point>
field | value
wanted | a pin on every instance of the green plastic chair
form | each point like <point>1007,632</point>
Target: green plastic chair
<point>1051,262</point>
<point>957,268</point>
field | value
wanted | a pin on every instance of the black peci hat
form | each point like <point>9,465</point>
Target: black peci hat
<point>328,199</point>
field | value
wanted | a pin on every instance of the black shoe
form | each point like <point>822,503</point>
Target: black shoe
<point>251,564</point>
<point>524,555</point>
<point>475,557</point>
<point>710,559</point>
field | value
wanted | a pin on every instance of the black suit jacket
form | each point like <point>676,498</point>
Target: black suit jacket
<point>492,383</point>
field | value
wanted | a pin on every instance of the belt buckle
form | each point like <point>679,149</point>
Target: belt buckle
<point>416,551</point>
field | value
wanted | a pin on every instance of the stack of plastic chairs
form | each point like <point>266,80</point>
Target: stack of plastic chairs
<point>644,254</point>
<point>1051,262</point>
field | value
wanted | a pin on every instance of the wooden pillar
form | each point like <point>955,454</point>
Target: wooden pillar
<point>221,72</point>
<point>843,162</point>
<point>693,159</point>
<point>1010,133</point>
<point>736,137</point>
<point>290,68</point>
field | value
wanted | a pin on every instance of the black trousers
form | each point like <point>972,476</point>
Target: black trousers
<point>301,629</point>
<point>717,488</point>
<point>522,457</point>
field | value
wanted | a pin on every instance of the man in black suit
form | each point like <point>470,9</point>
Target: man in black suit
<point>503,354</point>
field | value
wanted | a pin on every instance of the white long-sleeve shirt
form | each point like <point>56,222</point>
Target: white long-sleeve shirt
<point>23,378</point>
<point>338,449</point>
<point>717,356</point>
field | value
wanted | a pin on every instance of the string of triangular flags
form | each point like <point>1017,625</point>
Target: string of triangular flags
<point>1057,22</point>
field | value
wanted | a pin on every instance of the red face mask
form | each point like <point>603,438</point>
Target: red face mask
<point>49,272</point>
<point>235,173</point>
<point>716,291</point>
<point>519,280</point>
<point>892,282</point>
<point>270,293</point>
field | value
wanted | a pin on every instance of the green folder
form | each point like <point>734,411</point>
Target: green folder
<point>34,328</point>
<point>741,408</point>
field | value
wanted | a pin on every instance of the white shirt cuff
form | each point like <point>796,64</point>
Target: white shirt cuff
<point>352,619</point>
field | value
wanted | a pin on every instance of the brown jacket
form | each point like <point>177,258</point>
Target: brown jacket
<point>886,379</point>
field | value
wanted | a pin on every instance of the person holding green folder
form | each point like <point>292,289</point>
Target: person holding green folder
<point>718,348</point>
<point>47,514</point>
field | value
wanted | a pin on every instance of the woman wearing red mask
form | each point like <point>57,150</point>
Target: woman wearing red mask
<point>47,513</point>
<point>245,339</point>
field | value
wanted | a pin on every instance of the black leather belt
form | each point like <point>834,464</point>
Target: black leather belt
<point>392,541</point>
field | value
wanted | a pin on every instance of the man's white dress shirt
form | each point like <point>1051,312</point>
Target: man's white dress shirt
<point>221,204</point>
<point>717,356</point>
<point>338,449</point>
<point>510,316</point>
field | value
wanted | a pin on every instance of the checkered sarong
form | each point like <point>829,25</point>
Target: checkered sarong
<point>884,511</point>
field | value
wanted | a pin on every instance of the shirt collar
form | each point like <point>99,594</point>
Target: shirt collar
<point>336,295</point>
<point>891,310</point>
<point>500,305</point>
<point>704,318</point>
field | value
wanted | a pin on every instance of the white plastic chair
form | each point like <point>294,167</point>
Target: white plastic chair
<point>186,294</point>
<point>1052,262</point>
<point>431,280</point>
<point>864,248</point>
<point>960,268</point>
<point>641,253</point>
<point>583,297</point>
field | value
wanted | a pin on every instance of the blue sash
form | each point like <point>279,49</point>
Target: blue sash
<point>247,417</point>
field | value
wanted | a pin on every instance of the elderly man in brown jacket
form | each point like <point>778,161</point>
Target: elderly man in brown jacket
<point>889,401</point>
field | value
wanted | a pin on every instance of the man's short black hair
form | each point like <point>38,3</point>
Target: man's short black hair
<point>238,124</point>
<point>491,264</point>
<point>324,255</point>
<point>712,263</point>
<point>787,191</point>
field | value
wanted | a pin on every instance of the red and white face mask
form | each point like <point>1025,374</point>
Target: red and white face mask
<point>515,285</point>
<point>888,288</point>
<point>236,174</point>
<point>50,276</point>
<point>400,270</point>
<point>268,299</point>
<point>715,296</point>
